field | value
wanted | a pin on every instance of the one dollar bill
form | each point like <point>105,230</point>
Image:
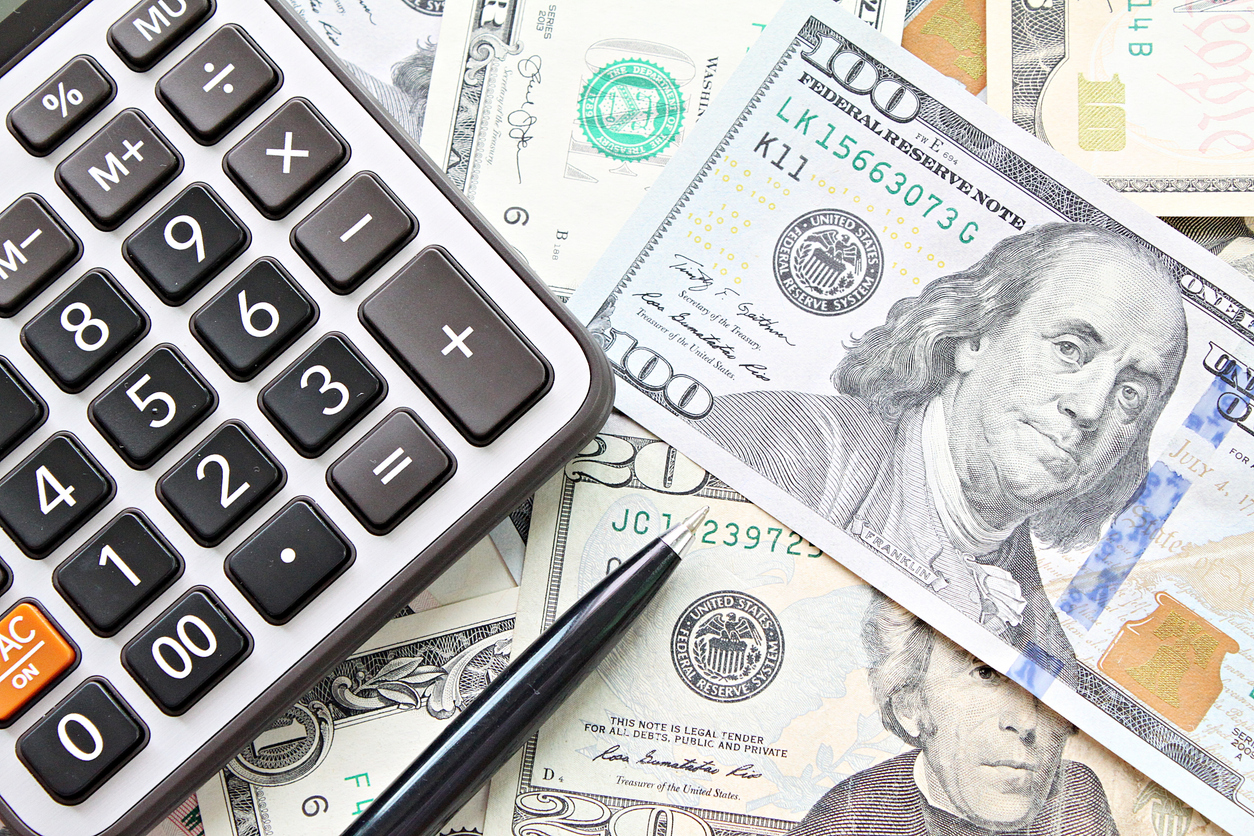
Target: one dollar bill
<point>743,701</point>
<point>983,381</point>
<point>1153,96</point>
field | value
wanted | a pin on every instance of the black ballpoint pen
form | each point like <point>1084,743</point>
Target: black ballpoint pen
<point>493,727</point>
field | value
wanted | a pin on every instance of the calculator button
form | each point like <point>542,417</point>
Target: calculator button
<point>51,494</point>
<point>222,81</point>
<point>115,172</point>
<point>435,322</point>
<point>186,244</point>
<point>221,483</point>
<point>145,34</point>
<point>21,410</point>
<point>82,742</point>
<point>387,474</point>
<point>354,232</point>
<point>6,578</point>
<point>292,558</point>
<point>153,406</point>
<point>61,105</point>
<point>34,654</point>
<point>186,651</point>
<point>280,163</point>
<point>320,396</point>
<point>257,316</point>
<point>84,331</point>
<point>38,248</point>
<point>118,573</point>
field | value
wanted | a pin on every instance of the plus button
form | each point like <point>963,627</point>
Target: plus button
<point>286,152</point>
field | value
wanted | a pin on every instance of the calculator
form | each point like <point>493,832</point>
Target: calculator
<point>264,374</point>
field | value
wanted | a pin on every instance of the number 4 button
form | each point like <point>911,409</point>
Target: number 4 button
<point>51,494</point>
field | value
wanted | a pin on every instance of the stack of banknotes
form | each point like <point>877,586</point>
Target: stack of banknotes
<point>884,284</point>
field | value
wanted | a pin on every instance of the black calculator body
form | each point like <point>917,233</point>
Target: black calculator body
<point>264,374</point>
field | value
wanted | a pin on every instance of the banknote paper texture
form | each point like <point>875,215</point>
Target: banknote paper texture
<point>744,694</point>
<point>323,762</point>
<point>1153,96</point>
<point>989,385</point>
<point>555,117</point>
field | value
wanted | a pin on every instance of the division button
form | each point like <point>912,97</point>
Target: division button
<point>186,244</point>
<point>285,159</point>
<point>220,83</point>
<point>471,361</point>
<point>387,474</point>
<point>145,34</point>
<point>34,655</point>
<point>37,248</point>
<point>289,561</point>
<point>82,742</point>
<point>61,105</point>
<point>116,171</point>
<point>21,409</point>
<point>118,573</point>
<point>221,483</point>
<point>354,232</point>
<point>51,494</point>
<point>186,651</point>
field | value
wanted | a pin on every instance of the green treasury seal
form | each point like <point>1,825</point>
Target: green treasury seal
<point>631,109</point>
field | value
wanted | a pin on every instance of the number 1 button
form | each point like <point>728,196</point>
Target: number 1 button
<point>221,483</point>
<point>49,496</point>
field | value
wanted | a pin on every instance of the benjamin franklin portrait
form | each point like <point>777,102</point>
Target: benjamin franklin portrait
<point>1012,400</point>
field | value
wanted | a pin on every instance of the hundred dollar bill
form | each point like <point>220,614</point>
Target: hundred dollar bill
<point>1153,96</point>
<point>744,700</point>
<point>323,761</point>
<point>388,45</point>
<point>555,116</point>
<point>949,35</point>
<point>990,386</point>
<point>1232,239</point>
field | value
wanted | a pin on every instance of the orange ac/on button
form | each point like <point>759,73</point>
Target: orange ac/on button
<point>33,655</point>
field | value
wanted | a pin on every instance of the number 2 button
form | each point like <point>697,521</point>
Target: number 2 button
<point>221,483</point>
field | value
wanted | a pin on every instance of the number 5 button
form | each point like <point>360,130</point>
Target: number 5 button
<point>153,406</point>
<point>221,483</point>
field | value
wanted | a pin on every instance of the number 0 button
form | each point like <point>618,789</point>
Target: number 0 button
<point>221,483</point>
<point>186,651</point>
<point>51,494</point>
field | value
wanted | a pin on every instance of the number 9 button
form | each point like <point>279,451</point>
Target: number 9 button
<point>153,406</point>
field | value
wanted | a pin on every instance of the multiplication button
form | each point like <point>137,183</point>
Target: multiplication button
<point>388,474</point>
<point>37,248</point>
<point>62,104</point>
<point>88,737</point>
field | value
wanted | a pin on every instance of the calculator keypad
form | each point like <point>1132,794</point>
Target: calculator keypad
<point>21,410</point>
<point>221,483</point>
<point>289,561</point>
<point>281,163</point>
<point>322,395</point>
<point>147,33</point>
<point>36,655</point>
<point>215,87</point>
<point>186,651</point>
<point>82,741</point>
<point>84,331</point>
<point>186,244</point>
<point>38,248</point>
<point>115,172</point>
<point>76,92</point>
<point>153,406</point>
<point>118,573</point>
<point>255,318</point>
<point>51,494</point>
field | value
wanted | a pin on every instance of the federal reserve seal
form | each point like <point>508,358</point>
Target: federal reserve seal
<point>631,110</point>
<point>828,262</point>
<point>727,646</point>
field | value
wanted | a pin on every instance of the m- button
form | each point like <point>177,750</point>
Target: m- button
<point>33,656</point>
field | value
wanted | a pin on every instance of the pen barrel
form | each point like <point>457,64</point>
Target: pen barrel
<point>495,725</point>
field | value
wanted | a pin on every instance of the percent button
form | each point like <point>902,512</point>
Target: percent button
<point>61,105</point>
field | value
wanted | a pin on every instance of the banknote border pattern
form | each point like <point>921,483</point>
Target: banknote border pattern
<point>1024,176</point>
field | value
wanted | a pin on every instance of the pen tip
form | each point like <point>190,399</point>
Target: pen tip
<point>695,520</point>
<point>681,536</point>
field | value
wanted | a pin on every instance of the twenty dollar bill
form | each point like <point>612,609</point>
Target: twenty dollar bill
<point>980,379</point>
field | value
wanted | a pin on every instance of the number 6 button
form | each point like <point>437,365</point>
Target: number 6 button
<point>221,483</point>
<point>186,651</point>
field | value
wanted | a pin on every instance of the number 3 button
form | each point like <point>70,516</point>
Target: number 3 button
<point>221,483</point>
<point>153,406</point>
